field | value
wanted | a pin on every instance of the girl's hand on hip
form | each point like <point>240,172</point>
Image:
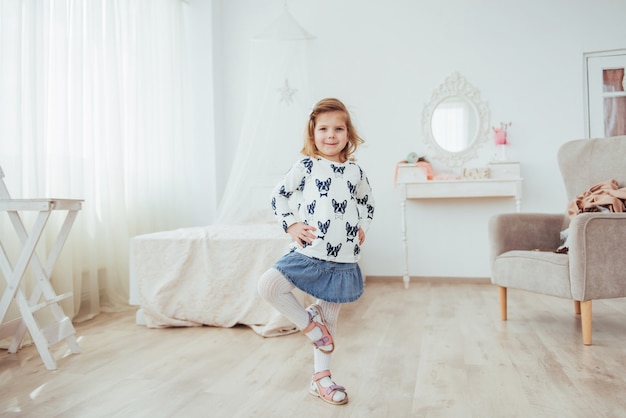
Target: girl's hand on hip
<point>361,236</point>
<point>302,233</point>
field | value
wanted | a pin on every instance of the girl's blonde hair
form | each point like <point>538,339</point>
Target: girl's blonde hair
<point>330,105</point>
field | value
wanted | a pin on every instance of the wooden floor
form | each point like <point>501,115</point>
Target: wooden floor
<point>437,349</point>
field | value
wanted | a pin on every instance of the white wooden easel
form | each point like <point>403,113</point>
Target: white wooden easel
<point>43,294</point>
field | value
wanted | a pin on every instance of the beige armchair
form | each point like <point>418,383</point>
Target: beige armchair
<point>522,244</point>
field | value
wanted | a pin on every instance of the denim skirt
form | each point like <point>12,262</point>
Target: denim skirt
<point>325,280</point>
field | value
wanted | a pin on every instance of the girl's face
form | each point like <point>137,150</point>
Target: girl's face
<point>331,135</point>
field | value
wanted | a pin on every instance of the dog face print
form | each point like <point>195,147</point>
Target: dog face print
<point>351,188</point>
<point>332,251</point>
<point>310,209</point>
<point>323,186</point>
<point>339,208</point>
<point>308,165</point>
<point>301,185</point>
<point>284,192</point>
<point>351,232</point>
<point>323,227</point>
<point>338,170</point>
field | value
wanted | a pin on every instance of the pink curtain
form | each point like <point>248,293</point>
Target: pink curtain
<point>614,106</point>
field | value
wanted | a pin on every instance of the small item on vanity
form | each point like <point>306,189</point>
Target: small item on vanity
<point>499,134</point>
<point>412,158</point>
<point>501,141</point>
<point>405,170</point>
<point>423,163</point>
<point>408,170</point>
<point>476,173</point>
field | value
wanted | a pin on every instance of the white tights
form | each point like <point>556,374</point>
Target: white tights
<point>278,291</point>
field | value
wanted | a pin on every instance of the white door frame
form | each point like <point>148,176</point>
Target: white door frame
<point>587,56</point>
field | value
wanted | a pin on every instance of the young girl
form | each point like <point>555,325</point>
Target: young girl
<point>325,203</point>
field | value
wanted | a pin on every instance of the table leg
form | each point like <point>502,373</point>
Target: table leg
<point>13,276</point>
<point>405,245</point>
<point>43,281</point>
<point>62,328</point>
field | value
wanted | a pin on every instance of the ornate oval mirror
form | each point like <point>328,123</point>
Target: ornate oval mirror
<point>455,121</point>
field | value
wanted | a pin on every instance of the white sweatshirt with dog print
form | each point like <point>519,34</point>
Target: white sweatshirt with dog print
<point>335,198</point>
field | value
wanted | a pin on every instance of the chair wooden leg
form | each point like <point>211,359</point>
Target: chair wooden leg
<point>577,307</point>
<point>585,320</point>
<point>502,297</point>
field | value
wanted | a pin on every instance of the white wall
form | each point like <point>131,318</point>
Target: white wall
<point>384,58</point>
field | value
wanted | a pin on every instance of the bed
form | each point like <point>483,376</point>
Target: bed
<point>207,276</point>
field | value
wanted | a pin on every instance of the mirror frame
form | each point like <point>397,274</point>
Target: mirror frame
<point>456,86</point>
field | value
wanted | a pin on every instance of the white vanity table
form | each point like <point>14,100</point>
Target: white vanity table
<point>505,181</point>
<point>455,124</point>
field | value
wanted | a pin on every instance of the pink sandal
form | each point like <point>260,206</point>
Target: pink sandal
<point>317,320</point>
<point>326,394</point>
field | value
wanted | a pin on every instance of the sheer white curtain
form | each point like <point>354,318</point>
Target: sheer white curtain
<point>92,102</point>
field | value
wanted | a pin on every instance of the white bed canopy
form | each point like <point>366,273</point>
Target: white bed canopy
<point>278,103</point>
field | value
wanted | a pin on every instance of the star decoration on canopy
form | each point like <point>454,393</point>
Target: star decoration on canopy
<point>286,92</point>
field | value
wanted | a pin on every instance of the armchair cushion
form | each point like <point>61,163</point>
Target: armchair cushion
<point>522,249</point>
<point>542,272</point>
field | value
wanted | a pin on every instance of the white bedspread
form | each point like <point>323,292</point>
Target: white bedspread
<point>208,276</point>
